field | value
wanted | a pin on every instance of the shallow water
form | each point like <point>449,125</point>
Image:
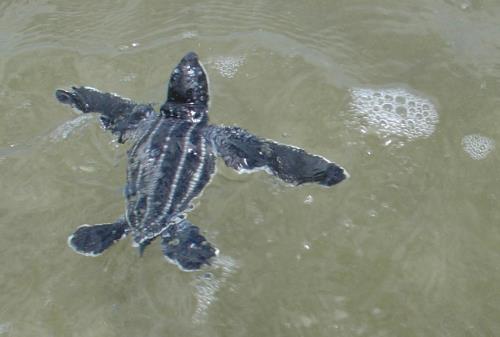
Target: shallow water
<point>409,246</point>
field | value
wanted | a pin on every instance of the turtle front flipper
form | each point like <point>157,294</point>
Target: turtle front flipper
<point>118,114</point>
<point>92,240</point>
<point>246,152</point>
<point>183,245</point>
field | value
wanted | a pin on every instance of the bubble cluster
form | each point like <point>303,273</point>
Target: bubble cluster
<point>228,65</point>
<point>477,146</point>
<point>395,112</point>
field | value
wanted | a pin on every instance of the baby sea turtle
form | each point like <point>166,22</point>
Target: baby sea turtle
<point>173,158</point>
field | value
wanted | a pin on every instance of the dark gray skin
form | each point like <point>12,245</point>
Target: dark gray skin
<point>172,159</point>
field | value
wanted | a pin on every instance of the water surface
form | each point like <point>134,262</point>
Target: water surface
<point>409,246</point>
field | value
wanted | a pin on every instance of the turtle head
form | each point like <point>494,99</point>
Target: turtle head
<point>187,96</point>
<point>72,98</point>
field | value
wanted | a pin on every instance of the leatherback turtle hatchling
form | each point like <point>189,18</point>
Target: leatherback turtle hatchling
<point>173,158</point>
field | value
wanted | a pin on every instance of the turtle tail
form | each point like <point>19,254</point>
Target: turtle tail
<point>92,240</point>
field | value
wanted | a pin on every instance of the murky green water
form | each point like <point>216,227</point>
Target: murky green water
<point>409,246</point>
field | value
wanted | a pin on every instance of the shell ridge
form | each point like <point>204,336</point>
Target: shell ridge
<point>180,167</point>
<point>158,174</point>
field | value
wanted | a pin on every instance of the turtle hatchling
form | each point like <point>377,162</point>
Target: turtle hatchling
<point>172,159</point>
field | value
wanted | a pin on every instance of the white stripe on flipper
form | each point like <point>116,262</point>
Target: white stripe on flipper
<point>180,168</point>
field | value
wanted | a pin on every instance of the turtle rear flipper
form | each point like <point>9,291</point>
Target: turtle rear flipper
<point>246,152</point>
<point>118,114</point>
<point>183,245</point>
<point>92,240</point>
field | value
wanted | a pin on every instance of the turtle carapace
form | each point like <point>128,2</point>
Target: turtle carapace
<point>172,159</point>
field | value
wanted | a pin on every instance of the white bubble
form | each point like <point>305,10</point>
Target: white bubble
<point>228,65</point>
<point>395,112</point>
<point>477,146</point>
<point>309,200</point>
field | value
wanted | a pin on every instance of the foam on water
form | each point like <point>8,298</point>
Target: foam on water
<point>228,65</point>
<point>477,146</point>
<point>189,35</point>
<point>131,45</point>
<point>129,77</point>
<point>64,130</point>
<point>209,283</point>
<point>395,111</point>
<point>4,328</point>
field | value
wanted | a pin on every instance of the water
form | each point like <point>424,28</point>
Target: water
<point>409,246</point>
